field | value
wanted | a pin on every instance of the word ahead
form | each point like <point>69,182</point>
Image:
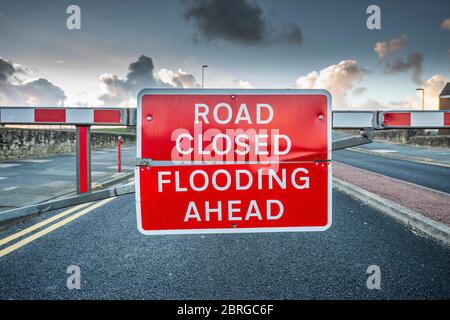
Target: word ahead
<point>227,161</point>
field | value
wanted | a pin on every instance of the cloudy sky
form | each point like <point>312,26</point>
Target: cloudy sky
<point>123,46</point>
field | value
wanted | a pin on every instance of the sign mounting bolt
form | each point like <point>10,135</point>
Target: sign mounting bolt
<point>149,118</point>
<point>321,117</point>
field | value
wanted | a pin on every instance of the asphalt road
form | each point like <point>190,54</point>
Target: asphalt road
<point>117,262</point>
<point>431,176</point>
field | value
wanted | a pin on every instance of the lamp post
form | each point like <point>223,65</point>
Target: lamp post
<point>423,97</point>
<point>203,74</point>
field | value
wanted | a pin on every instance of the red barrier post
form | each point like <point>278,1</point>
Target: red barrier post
<point>119,165</point>
<point>83,159</point>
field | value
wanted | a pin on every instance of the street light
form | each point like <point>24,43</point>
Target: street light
<point>203,74</point>
<point>423,97</point>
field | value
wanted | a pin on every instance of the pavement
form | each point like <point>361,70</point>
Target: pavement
<point>117,262</point>
<point>425,174</point>
<point>31,181</point>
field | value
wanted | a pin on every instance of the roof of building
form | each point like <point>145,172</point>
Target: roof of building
<point>446,90</point>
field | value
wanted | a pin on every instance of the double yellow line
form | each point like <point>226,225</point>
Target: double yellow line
<point>37,235</point>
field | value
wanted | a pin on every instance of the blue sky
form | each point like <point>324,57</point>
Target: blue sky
<point>114,34</point>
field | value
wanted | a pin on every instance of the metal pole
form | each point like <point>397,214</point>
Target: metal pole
<point>119,165</point>
<point>423,99</point>
<point>83,158</point>
<point>203,75</point>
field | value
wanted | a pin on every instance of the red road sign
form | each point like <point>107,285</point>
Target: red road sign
<point>225,161</point>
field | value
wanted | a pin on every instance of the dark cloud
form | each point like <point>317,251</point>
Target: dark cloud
<point>39,92</point>
<point>6,70</point>
<point>124,91</point>
<point>141,73</point>
<point>43,92</point>
<point>121,90</point>
<point>414,63</point>
<point>238,21</point>
<point>290,34</point>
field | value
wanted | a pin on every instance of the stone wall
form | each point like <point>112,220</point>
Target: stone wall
<point>27,143</point>
<point>431,141</point>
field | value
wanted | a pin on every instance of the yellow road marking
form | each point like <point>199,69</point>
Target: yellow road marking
<point>41,224</point>
<point>51,228</point>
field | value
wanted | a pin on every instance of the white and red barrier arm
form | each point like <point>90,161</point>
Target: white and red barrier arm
<point>414,119</point>
<point>68,116</point>
<point>354,119</point>
<point>127,117</point>
<point>380,120</point>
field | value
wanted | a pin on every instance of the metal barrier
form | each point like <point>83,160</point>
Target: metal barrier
<point>367,121</point>
<point>380,120</point>
<point>82,119</point>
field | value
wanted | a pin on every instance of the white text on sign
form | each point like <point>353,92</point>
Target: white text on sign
<point>232,144</point>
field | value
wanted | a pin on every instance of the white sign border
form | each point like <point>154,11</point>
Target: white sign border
<point>170,91</point>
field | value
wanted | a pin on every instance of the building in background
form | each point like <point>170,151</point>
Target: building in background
<point>444,104</point>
